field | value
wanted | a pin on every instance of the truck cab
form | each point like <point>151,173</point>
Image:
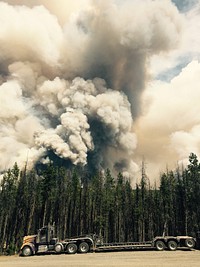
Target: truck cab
<point>45,241</point>
<point>42,242</point>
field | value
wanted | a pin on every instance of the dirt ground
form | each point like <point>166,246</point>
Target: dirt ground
<point>109,259</point>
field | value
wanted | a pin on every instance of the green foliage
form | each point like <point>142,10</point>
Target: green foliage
<point>11,249</point>
<point>80,204</point>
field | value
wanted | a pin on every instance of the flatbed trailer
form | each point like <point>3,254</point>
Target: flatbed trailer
<point>45,241</point>
<point>158,243</point>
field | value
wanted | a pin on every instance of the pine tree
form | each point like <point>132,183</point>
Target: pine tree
<point>8,199</point>
<point>193,192</point>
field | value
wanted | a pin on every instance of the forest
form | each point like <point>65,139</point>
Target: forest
<point>79,203</point>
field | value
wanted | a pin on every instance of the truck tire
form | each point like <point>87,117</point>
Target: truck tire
<point>160,246</point>
<point>27,251</point>
<point>83,247</point>
<point>58,248</point>
<point>172,245</point>
<point>71,248</point>
<point>190,243</point>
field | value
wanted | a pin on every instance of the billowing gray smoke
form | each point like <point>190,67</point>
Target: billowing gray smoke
<point>75,88</point>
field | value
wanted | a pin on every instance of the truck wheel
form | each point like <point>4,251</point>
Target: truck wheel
<point>160,245</point>
<point>190,243</point>
<point>71,248</point>
<point>58,248</point>
<point>172,245</point>
<point>83,247</point>
<point>27,251</point>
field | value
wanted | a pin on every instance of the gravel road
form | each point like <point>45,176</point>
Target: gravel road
<point>110,259</point>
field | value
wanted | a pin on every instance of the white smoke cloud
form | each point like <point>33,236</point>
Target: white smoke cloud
<point>169,131</point>
<point>16,138</point>
<point>117,42</point>
<point>168,65</point>
<point>73,85</point>
<point>61,9</point>
<point>34,33</point>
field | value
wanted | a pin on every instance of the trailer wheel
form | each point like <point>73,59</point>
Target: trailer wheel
<point>172,245</point>
<point>71,248</point>
<point>190,243</point>
<point>58,248</point>
<point>27,251</point>
<point>160,245</point>
<point>83,247</point>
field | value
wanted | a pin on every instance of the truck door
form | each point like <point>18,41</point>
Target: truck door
<point>42,236</point>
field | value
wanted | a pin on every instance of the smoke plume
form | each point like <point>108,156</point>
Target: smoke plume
<point>73,85</point>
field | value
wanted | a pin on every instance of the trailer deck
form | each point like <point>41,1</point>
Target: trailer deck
<point>124,245</point>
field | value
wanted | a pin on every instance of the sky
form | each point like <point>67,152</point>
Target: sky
<point>100,83</point>
<point>168,130</point>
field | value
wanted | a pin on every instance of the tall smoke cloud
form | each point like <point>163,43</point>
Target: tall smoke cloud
<point>73,87</point>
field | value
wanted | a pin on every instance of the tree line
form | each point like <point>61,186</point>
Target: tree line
<point>79,204</point>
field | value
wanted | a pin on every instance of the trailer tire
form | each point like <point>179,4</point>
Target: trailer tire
<point>71,248</point>
<point>83,247</point>
<point>27,251</point>
<point>172,245</point>
<point>190,243</point>
<point>160,246</point>
<point>58,248</point>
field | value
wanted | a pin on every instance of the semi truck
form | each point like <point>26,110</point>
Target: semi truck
<point>45,241</point>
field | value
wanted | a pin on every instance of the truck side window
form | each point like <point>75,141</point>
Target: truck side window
<point>43,235</point>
